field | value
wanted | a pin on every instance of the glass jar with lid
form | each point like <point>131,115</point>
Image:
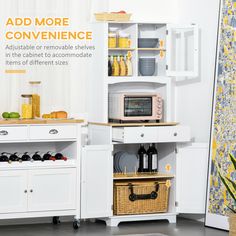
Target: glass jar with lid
<point>36,97</point>
<point>124,40</point>
<point>112,37</point>
<point>26,106</point>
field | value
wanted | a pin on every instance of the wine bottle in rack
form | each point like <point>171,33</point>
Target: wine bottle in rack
<point>143,159</point>
<point>152,158</point>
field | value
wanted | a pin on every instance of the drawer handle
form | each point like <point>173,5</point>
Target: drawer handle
<point>175,134</point>
<point>142,135</point>
<point>31,190</point>
<point>53,131</point>
<point>3,132</point>
<point>25,191</point>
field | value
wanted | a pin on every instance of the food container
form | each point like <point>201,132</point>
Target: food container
<point>124,40</point>
<point>112,40</point>
<point>26,106</point>
<point>140,197</point>
<point>147,66</point>
<point>36,97</point>
<point>148,42</point>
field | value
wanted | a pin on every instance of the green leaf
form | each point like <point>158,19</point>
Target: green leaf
<point>232,182</point>
<point>233,159</point>
<point>227,186</point>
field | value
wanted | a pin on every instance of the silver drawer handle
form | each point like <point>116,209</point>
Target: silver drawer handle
<point>3,132</point>
<point>175,134</point>
<point>53,131</point>
<point>142,135</point>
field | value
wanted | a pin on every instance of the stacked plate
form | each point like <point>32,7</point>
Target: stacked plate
<point>147,66</point>
<point>125,162</point>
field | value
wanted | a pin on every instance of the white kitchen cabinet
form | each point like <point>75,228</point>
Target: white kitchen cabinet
<point>53,189</point>
<point>14,133</point>
<point>192,164</point>
<point>151,134</point>
<point>14,189</point>
<point>48,188</point>
<point>182,50</point>
<point>96,181</point>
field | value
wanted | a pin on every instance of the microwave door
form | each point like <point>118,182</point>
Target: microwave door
<point>138,107</point>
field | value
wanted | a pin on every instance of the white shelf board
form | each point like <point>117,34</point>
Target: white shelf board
<point>37,164</point>
<point>139,79</point>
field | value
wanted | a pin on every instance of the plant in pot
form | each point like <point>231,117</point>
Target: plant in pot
<point>230,186</point>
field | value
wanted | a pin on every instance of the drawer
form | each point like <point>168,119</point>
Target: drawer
<point>13,133</point>
<point>160,134</point>
<point>53,132</point>
<point>134,134</point>
<point>173,134</point>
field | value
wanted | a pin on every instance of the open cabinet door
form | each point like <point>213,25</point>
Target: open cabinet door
<point>182,50</point>
<point>191,178</point>
<point>96,181</point>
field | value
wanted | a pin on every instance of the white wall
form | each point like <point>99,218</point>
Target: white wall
<point>194,99</point>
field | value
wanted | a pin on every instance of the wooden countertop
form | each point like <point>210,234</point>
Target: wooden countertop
<point>38,121</point>
<point>134,124</point>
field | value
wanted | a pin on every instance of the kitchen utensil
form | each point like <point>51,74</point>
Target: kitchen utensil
<point>147,66</point>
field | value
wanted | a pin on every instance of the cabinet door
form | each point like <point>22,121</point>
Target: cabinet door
<point>191,178</point>
<point>13,196</point>
<point>182,50</point>
<point>52,189</point>
<point>97,181</point>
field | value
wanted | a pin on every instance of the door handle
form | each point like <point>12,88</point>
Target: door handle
<point>53,131</point>
<point>3,132</point>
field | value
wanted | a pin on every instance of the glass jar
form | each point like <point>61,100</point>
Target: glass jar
<point>36,97</point>
<point>112,40</point>
<point>124,40</point>
<point>26,106</point>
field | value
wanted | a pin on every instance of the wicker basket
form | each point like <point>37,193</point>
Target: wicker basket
<point>232,225</point>
<point>140,197</point>
<point>112,17</point>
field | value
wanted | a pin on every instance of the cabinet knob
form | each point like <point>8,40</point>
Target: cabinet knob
<point>3,132</point>
<point>31,190</point>
<point>25,191</point>
<point>175,134</point>
<point>53,131</point>
<point>142,135</point>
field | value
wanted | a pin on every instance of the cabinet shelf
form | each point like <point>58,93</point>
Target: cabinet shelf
<point>139,79</point>
<point>123,176</point>
<point>151,49</point>
<point>37,164</point>
<point>121,49</point>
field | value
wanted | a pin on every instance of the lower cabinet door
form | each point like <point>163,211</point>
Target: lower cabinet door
<point>96,181</point>
<point>52,189</point>
<point>13,193</point>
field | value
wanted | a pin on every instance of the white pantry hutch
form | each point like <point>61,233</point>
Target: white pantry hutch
<point>82,186</point>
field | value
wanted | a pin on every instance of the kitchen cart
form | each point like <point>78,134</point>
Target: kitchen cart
<point>41,188</point>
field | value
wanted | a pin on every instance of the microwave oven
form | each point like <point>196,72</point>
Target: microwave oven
<point>135,107</point>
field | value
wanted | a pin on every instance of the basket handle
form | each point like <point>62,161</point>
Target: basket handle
<point>134,197</point>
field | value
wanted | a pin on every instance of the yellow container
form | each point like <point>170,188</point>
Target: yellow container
<point>112,40</point>
<point>35,89</point>
<point>124,42</point>
<point>26,107</point>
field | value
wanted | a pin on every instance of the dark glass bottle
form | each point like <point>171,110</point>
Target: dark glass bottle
<point>152,158</point>
<point>109,67</point>
<point>143,159</point>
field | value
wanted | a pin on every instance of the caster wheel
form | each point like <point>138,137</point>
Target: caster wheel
<point>76,224</point>
<point>56,220</point>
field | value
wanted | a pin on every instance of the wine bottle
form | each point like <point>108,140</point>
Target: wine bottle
<point>143,159</point>
<point>152,158</point>
<point>109,67</point>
